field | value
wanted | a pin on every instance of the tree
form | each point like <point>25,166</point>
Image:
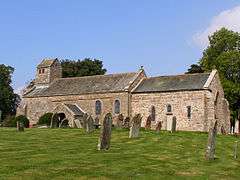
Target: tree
<point>8,99</point>
<point>223,54</point>
<point>85,67</point>
<point>195,68</point>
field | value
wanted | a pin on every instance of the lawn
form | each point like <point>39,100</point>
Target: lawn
<point>72,154</point>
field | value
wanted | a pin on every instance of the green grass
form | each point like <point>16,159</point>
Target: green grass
<point>72,154</point>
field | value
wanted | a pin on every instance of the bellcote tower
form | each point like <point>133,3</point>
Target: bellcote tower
<point>47,71</point>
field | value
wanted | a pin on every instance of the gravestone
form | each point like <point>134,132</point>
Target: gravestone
<point>210,151</point>
<point>158,126</point>
<point>96,123</point>
<point>135,126</point>
<point>77,123</point>
<point>169,122</point>
<point>148,123</point>
<point>235,150</point>
<point>126,122</point>
<point>20,126</point>
<point>120,119</point>
<point>223,130</point>
<point>105,135</point>
<point>89,124</point>
<point>236,129</point>
<point>174,124</point>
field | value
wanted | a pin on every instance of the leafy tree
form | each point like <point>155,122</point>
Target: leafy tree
<point>8,99</point>
<point>223,54</point>
<point>195,68</point>
<point>86,67</point>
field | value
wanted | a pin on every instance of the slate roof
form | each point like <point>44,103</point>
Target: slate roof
<point>173,83</point>
<point>85,85</point>
<point>75,109</point>
<point>46,63</point>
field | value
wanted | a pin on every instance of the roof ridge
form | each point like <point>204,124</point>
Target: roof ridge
<point>177,75</point>
<point>82,77</point>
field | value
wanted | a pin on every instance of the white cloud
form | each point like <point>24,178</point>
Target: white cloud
<point>229,19</point>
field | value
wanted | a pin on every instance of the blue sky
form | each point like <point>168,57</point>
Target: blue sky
<point>125,34</point>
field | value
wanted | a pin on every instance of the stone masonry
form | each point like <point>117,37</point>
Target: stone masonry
<point>196,100</point>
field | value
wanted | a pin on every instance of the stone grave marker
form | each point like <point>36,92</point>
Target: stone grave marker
<point>148,123</point>
<point>126,122</point>
<point>135,126</point>
<point>210,151</point>
<point>120,119</point>
<point>236,128</point>
<point>169,123</point>
<point>105,135</point>
<point>89,124</point>
<point>174,124</point>
<point>20,126</point>
<point>235,150</point>
<point>96,123</point>
<point>158,126</point>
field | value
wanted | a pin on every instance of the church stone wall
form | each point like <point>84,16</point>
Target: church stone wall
<point>217,105</point>
<point>36,107</point>
<point>179,101</point>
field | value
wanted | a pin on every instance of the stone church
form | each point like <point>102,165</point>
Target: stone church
<point>196,100</point>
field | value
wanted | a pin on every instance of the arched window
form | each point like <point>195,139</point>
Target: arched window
<point>153,113</point>
<point>169,108</point>
<point>117,107</point>
<point>98,107</point>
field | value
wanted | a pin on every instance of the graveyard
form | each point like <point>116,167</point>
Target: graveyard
<point>73,154</point>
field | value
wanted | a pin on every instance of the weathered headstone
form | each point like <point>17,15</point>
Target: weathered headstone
<point>120,119</point>
<point>210,151</point>
<point>96,123</point>
<point>77,123</point>
<point>84,121</point>
<point>89,124</point>
<point>105,135</point>
<point>126,122</point>
<point>174,124</point>
<point>235,150</point>
<point>20,126</point>
<point>223,130</point>
<point>169,122</point>
<point>158,126</point>
<point>148,123</point>
<point>135,126</point>
<point>236,128</point>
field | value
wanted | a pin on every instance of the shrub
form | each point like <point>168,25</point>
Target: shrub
<point>11,121</point>
<point>23,119</point>
<point>45,119</point>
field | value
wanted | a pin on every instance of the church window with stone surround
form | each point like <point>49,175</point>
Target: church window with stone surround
<point>43,70</point>
<point>153,113</point>
<point>169,108</point>
<point>98,107</point>
<point>117,107</point>
<point>189,113</point>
